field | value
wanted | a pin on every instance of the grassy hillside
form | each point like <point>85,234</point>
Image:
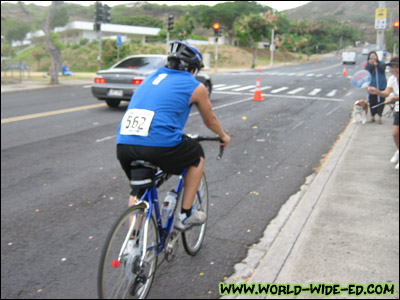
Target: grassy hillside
<point>83,58</point>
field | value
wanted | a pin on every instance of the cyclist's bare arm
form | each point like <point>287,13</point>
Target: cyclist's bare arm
<point>200,98</point>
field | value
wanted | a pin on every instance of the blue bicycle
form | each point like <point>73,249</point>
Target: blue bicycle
<point>129,258</point>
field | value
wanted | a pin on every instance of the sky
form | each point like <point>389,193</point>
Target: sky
<point>278,5</point>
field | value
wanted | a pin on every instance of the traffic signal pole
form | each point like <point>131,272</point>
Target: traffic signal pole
<point>216,54</point>
<point>170,26</point>
<point>216,28</point>
<point>101,15</point>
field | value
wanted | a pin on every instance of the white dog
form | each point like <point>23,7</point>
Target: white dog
<point>360,111</point>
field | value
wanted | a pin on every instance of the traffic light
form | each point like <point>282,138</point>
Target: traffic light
<point>170,22</point>
<point>395,29</point>
<point>216,28</point>
<point>98,12</point>
<point>106,14</point>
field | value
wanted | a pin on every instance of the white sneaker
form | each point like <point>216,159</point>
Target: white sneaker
<point>195,219</point>
<point>397,166</point>
<point>129,249</point>
<point>395,157</point>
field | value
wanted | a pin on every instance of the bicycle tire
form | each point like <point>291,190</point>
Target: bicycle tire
<point>192,238</point>
<point>120,275</point>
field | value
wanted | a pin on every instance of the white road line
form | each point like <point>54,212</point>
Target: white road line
<point>281,96</point>
<point>310,75</point>
<point>295,91</point>
<point>319,75</point>
<point>224,105</point>
<point>219,85</point>
<point>298,125</point>
<point>105,138</point>
<point>314,92</point>
<point>227,87</point>
<point>244,88</point>
<point>331,93</point>
<point>265,88</point>
<point>333,110</point>
<point>279,90</point>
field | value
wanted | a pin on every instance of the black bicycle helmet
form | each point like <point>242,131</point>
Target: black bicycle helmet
<point>184,57</point>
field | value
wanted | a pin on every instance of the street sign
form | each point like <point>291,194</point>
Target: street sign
<point>380,18</point>
<point>118,42</point>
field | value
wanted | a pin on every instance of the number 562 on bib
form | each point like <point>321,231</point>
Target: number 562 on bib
<point>137,122</point>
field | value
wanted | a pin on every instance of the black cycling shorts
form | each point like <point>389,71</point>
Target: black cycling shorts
<point>396,118</point>
<point>171,160</point>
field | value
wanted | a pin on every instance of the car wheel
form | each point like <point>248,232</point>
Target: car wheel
<point>113,102</point>
<point>208,87</point>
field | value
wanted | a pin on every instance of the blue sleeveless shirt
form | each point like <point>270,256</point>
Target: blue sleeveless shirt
<point>158,110</point>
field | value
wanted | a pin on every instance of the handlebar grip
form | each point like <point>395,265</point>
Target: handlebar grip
<point>221,152</point>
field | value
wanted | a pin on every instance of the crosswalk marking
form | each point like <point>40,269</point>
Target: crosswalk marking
<point>279,90</point>
<point>295,91</point>
<point>227,87</point>
<point>314,92</point>
<point>265,88</point>
<point>244,88</point>
<point>290,91</point>
<point>331,93</point>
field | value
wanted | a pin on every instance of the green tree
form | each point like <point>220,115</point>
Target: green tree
<point>253,29</point>
<point>227,13</point>
<point>14,30</point>
<point>38,54</point>
<point>183,27</point>
<point>61,17</point>
<point>139,20</point>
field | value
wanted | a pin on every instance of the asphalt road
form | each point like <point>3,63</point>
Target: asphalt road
<point>62,186</point>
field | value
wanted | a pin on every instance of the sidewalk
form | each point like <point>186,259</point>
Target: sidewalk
<point>32,85</point>
<point>341,228</point>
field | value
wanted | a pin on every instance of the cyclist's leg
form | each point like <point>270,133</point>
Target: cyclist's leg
<point>192,181</point>
<point>133,200</point>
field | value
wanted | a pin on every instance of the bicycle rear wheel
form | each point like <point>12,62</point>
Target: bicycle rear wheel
<point>192,238</point>
<point>123,271</point>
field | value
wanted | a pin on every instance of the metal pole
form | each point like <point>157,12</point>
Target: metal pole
<point>167,42</point>
<point>99,56</point>
<point>272,47</point>
<point>216,54</point>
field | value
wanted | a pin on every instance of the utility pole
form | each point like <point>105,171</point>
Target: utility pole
<point>272,46</point>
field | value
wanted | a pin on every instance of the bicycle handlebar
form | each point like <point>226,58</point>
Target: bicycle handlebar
<point>206,138</point>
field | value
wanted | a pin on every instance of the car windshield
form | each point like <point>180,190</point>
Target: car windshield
<point>142,63</point>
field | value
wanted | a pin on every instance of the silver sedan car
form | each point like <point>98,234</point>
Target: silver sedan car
<point>119,82</point>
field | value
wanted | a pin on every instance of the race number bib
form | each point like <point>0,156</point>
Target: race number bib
<point>137,122</point>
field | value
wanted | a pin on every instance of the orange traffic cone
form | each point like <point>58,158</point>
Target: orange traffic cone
<point>317,62</point>
<point>257,93</point>
<point>364,64</point>
<point>344,73</point>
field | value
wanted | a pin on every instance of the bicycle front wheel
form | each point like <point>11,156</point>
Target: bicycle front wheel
<point>192,238</point>
<point>127,268</point>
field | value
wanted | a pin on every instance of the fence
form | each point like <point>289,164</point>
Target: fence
<point>21,70</point>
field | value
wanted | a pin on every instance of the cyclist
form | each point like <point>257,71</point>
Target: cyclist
<point>152,127</point>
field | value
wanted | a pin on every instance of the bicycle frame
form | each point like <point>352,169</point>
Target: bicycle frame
<point>150,198</point>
